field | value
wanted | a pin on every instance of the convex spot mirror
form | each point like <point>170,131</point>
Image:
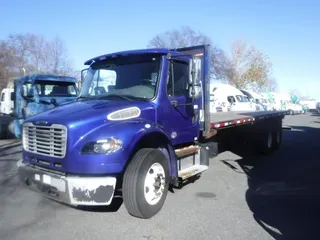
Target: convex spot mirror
<point>83,74</point>
<point>194,91</point>
<point>194,78</point>
<point>194,67</point>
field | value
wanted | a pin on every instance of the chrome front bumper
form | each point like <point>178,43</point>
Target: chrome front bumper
<point>73,190</point>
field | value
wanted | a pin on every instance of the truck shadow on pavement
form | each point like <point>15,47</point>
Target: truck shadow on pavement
<point>284,188</point>
<point>10,149</point>
<point>8,152</point>
<point>114,206</point>
<point>9,145</point>
<point>9,184</point>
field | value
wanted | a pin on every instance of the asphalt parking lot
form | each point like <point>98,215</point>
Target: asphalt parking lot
<point>239,197</point>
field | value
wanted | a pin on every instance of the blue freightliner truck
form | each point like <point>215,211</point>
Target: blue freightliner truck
<point>142,122</point>
<point>33,94</point>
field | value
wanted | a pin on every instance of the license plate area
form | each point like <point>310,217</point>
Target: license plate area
<point>58,183</point>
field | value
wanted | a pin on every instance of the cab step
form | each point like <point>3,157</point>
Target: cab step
<point>192,171</point>
<point>186,151</point>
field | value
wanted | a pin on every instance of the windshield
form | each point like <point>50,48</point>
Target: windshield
<point>241,98</point>
<point>131,77</point>
<point>55,88</point>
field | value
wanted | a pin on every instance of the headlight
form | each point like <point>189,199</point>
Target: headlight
<point>105,146</point>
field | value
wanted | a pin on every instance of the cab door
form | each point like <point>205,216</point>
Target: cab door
<point>186,75</point>
<point>182,123</point>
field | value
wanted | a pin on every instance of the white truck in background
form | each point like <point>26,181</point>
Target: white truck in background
<point>267,102</point>
<point>6,104</point>
<point>312,104</point>
<point>254,98</point>
<point>225,97</point>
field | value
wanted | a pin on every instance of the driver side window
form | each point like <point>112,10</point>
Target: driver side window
<point>26,90</point>
<point>177,84</point>
<point>231,99</point>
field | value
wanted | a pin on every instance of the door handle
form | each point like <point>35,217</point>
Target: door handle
<point>174,103</point>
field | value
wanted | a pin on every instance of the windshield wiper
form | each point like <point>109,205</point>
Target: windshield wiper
<point>125,97</point>
<point>83,97</point>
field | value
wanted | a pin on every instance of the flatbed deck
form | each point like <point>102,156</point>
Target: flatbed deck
<point>226,119</point>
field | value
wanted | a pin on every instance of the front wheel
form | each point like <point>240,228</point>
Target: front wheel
<point>145,183</point>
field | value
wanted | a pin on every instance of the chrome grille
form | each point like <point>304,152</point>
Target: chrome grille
<point>45,140</point>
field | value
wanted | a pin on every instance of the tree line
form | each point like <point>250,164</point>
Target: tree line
<point>244,67</point>
<point>23,54</point>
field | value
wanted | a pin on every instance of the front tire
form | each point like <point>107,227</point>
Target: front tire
<point>145,183</point>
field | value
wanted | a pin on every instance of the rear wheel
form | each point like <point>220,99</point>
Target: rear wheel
<point>145,183</point>
<point>277,139</point>
<point>265,143</point>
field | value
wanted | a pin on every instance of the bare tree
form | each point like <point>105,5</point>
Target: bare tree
<point>185,37</point>
<point>34,54</point>
<point>38,48</point>
<point>7,60</point>
<point>271,85</point>
<point>20,46</point>
<point>295,92</point>
<point>250,68</point>
<point>60,64</point>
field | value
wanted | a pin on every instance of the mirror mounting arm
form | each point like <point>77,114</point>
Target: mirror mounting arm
<point>176,104</point>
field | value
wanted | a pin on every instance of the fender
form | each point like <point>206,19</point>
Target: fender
<point>152,130</point>
<point>131,132</point>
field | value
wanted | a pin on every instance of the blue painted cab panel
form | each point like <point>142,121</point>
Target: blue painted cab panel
<point>86,122</point>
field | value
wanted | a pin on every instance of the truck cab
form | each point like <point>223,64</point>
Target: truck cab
<point>254,99</point>
<point>231,98</point>
<point>141,122</point>
<point>37,93</point>
<point>135,107</point>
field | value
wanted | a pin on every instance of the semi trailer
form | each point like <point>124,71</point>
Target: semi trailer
<point>141,123</point>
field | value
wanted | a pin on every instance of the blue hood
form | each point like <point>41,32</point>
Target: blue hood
<point>83,116</point>
<point>86,121</point>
